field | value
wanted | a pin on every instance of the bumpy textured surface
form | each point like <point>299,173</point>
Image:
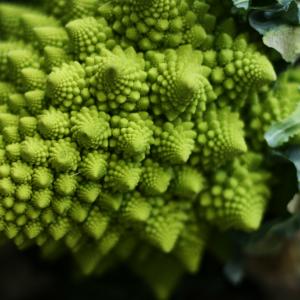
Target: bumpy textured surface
<point>271,106</point>
<point>123,136</point>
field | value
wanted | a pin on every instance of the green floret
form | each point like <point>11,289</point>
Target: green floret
<point>165,223</point>
<point>220,137</point>
<point>27,126</point>
<point>35,101</point>
<point>155,23</point>
<point>64,156</point>
<point>174,143</point>
<point>117,79</point>
<point>20,172</point>
<point>50,36</point>
<point>66,86</point>
<point>94,165</point>
<point>122,176</point>
<point>18,60</point>
<point>135,209</point>
<point>34,151</point>
<point>66,184</point>
<point>32,20</point>
<point>177,84</point>
<point>10,19</point>
<point>54,57</point>
<point>155,178</point>
<point>53,124</point>
<point>90,128</point>
<point>188,182</point>
<point>6,89</point>
<point>236,68</point>
<point>88,36</point>
<point>16,104</point>
<point>237,195</point>
<point>149,263</point>
<point>78,9</point>
<point>5,48</point>
<point>191,244</point>
<point>33,79</point>
<point>56,7</point>
<point>42,177</point>
<point>132,135</point>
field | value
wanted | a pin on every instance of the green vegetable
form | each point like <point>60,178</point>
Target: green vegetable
<point>129,129</point>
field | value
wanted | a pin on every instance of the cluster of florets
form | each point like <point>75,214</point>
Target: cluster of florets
<point>121,131</point>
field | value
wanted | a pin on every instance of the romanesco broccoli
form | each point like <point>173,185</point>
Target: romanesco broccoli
<point>130,129</point>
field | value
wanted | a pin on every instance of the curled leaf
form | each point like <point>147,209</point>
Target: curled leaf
<point>286,40</point>
<point>242,3</point>
<point>281,132</point>
<point>279,23</point>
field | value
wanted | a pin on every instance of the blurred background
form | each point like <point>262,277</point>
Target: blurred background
<point>25,276</point>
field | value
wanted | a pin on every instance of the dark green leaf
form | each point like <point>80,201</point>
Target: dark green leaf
<point>293,155</point>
